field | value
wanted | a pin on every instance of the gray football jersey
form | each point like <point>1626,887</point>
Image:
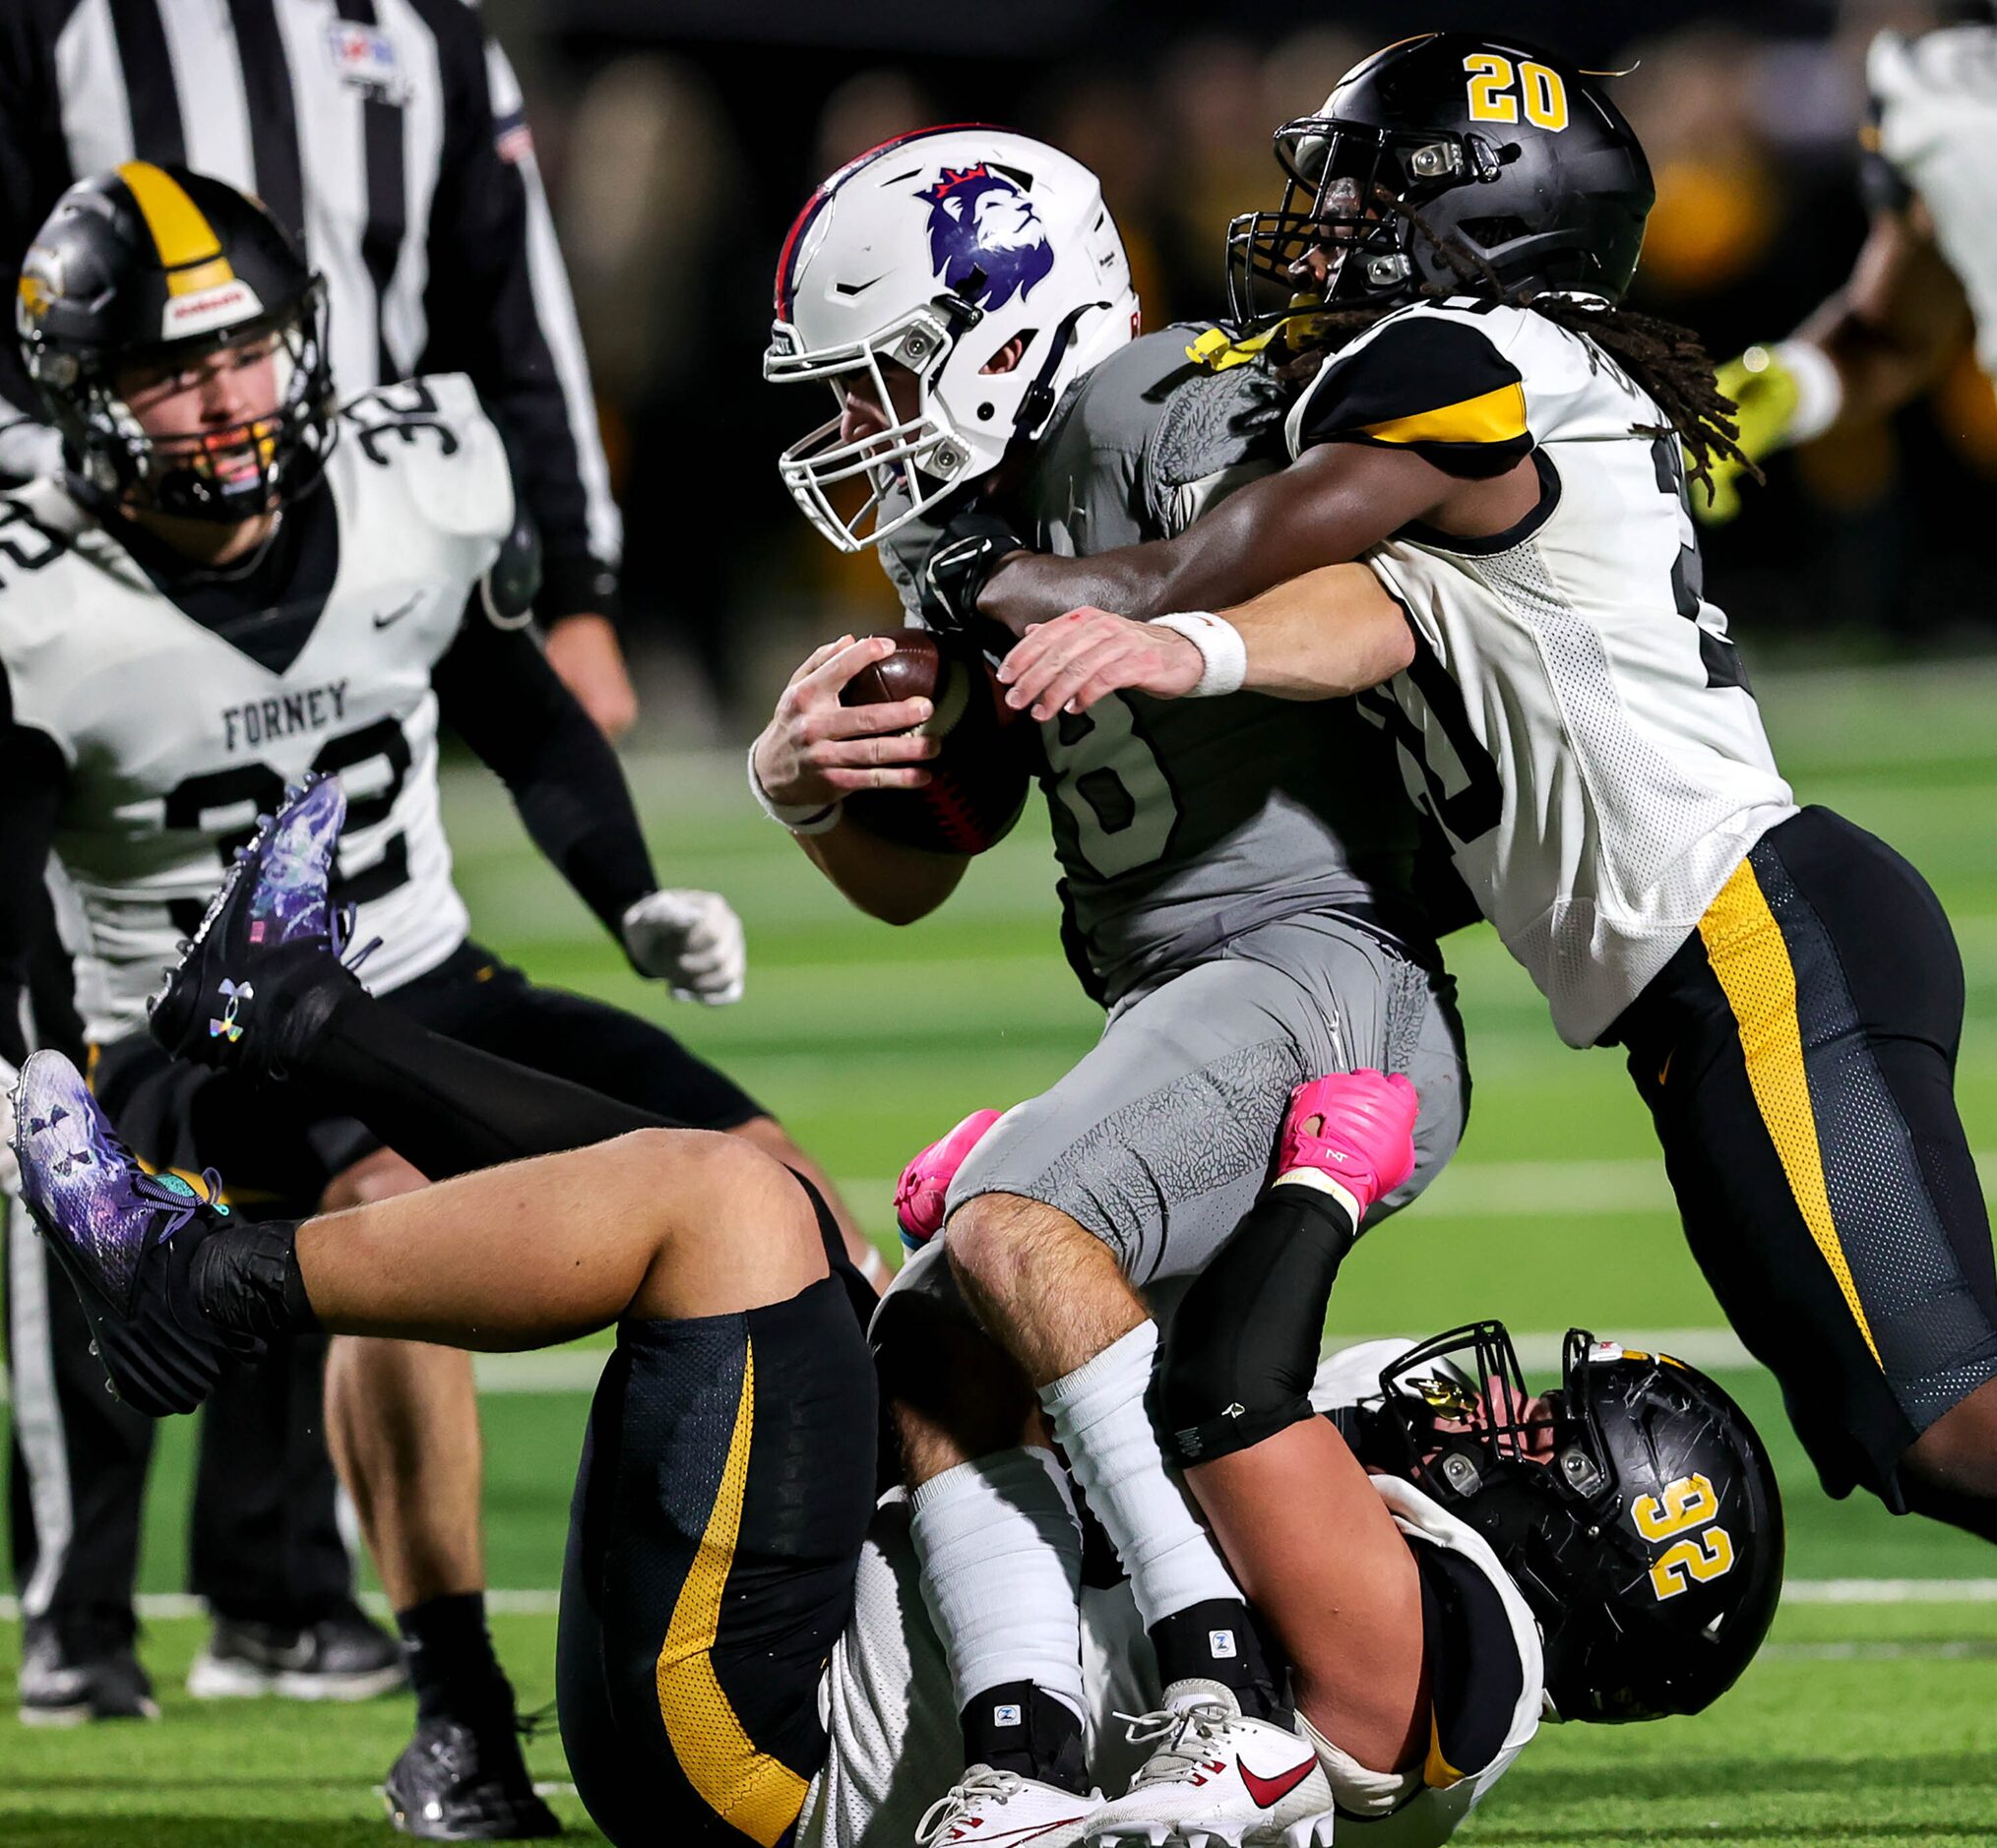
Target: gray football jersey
<point>1181,823</point>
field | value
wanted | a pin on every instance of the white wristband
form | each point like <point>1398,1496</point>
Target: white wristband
<point>1224,655</point>
<point>1820,389</point>
<point>800,817</point>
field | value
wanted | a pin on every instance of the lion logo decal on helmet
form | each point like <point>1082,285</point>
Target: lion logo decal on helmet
<point>986,241</point>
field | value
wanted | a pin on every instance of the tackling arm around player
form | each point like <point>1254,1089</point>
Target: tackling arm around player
<point>1575,718</point>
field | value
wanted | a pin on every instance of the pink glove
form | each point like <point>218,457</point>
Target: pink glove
<point>925,1182</point>
<point>1365,1141</point>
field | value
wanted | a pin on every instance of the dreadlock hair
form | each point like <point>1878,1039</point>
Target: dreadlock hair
<point>1661,358</point>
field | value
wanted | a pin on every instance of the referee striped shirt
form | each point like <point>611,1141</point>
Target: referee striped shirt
<point>389,134</point>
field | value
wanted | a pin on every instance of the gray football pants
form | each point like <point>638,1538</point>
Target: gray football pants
<point>1161,1139</point>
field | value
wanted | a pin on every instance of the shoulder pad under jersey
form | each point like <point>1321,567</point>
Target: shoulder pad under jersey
<point>1432,378</point>
<point>435,433</point>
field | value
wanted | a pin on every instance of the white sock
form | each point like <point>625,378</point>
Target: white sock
<point>1099,1417</point>
<point>1001,1556</point>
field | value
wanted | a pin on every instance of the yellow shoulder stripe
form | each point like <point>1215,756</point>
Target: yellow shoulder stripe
<point>186,242</point>
<point>749,1789</point>
<point>1497,416</point>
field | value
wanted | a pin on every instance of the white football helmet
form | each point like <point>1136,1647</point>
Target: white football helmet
<point>935,251</point>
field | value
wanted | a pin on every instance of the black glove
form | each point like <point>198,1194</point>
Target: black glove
<point>959,565</point>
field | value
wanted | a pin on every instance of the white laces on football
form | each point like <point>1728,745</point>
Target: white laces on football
<point>979,1784</point>
<point>1184,1737</point>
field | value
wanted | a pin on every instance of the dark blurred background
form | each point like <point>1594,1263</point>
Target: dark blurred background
<point>679,138</point>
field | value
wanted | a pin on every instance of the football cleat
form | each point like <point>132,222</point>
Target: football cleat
<point>263,969</point>
<point>923,1190</point>
<point>1001,1807</point>
<point>1356,1128</point>
<point>125,1239</point>
<point>1216,1779</point>
<point>460,1783</point>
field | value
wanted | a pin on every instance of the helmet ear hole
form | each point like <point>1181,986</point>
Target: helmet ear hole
<point>1490,232</point>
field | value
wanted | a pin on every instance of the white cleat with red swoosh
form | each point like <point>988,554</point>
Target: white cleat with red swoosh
<point>1217,1780</point>
<point>1003,1809</point>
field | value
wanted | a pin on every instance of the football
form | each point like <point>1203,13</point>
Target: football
<point>977,781</point>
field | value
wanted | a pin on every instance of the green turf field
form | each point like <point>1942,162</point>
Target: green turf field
<point>1872,1719</point>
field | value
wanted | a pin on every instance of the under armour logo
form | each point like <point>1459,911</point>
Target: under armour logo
<point>1236,1410</point>
<point>1220,1644</point>
<point>226,1027</point>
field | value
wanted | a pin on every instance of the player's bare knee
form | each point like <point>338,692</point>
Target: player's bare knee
<point>731,1227</point>
<point>1957,1455</point>
<point>995,1239</point>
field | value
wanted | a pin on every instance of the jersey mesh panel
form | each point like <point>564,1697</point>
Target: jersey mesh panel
<point>1644,807</point>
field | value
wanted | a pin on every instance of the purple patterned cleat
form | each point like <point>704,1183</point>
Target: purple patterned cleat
<point>125,1239</point>
<point>263,969</point>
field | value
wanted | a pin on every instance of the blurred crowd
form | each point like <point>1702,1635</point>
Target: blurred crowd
<point>676,162</point>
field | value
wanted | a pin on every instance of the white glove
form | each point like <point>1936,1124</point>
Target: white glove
<point>10,1168</point>
<point>691,940</point>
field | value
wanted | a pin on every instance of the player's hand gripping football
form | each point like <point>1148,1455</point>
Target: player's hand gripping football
<point>1066,665</point>
<point>691,940</point>
<point>815,752</point>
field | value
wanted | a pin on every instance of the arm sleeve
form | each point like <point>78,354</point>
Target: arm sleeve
<point>33,775</point>
<point>499,308</point>
<point>497,690</point>
<point>1438,387</point>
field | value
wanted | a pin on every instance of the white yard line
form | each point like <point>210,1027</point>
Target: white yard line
<point>167,1606</point>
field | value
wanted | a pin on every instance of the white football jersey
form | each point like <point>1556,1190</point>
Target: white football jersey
<point>1934,102</point>
<point>175,736</point>
<point>1576,718</point>
<point>889,1711</point>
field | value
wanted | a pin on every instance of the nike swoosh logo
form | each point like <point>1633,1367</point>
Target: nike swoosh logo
<point>853,288</point>
<point>385,620</point>
<point>1032,1831</point>
<point>1269,1791</point>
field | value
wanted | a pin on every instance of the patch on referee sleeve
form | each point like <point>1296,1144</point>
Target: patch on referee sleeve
<point>1844,1146</point>
<point>1475,1677</point>
<point>1428,384</point>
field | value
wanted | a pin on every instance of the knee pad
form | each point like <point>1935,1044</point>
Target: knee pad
<point>1242,1350</point>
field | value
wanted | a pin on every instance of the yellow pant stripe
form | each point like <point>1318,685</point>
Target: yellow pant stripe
<point>1497,416</point>
<point>1744,944</point>
<point>181,233</point>
<point>745,1787</point>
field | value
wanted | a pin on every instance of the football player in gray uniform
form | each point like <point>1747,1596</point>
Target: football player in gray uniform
<point>1500,445</point>
<point>746,1651</point>
<point>1238,894</point>
<point>1926,277</point>
<point>235,582</point>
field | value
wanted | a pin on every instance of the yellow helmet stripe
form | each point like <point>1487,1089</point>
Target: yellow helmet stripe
<point>181,233</point>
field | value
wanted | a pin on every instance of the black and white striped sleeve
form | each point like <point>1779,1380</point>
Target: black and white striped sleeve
<point>34,170</point>
<point>499,308</point>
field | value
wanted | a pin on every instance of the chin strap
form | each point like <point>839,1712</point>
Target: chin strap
<point>1039,402</point>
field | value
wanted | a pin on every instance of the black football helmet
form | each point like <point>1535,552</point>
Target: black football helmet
<point>1446,144</point>
<point>1635,1507</point>
<point>155,267</point>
